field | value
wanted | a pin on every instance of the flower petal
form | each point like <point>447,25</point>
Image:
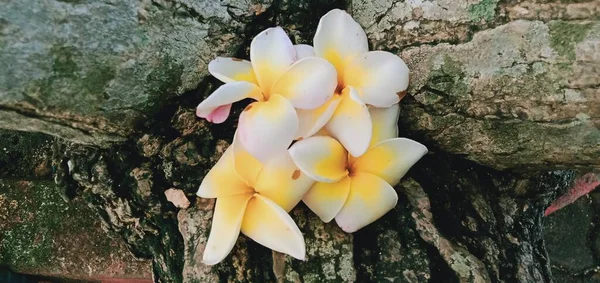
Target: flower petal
<point>391,159</point>
<point>227,94</point>
<point>219,115</point>
<point>230,70</point>
<point>271,53</point>
<point>321,158</point>
<point>269,225</point>
<point>311,121</point>
<point>322,132</point>
<point>246,166</point>
<point>326,199</point>
<point>225,228</point>
<point>304,51</point>
<point>339,39</point>
<point>385,123</point>
<point>380,77</point>
<point>308,83</point>
<point>370,198</point>
<point>351,123</point>
<point>267,128</point>
<point>282,182</point>
<point>222,180</point>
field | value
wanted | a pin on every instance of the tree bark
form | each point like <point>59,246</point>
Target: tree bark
<point>505,94</point>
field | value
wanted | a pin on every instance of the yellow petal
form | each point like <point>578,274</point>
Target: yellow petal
<point>380,77</point>
<point>339,39</point>
<point>321,158</point>
<point>271,53</point>
<point>246,166</point>
<point>232,70</point>
<point>326,199</point>
<point>225,228</point>
<point>269,225</point>
<point>351,123</point>
<point>282,182</point>
<point>370,198</point>
<point>222,180</point>
<point>312,121</point>
<point>267,128</point>
<point>385,123</point>
<point>322,133</point>
<point>308,83</point>
<point>390,159</point>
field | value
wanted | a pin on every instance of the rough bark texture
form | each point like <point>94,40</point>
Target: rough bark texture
<point>506,94</point>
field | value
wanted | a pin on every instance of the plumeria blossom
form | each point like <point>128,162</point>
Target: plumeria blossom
<point>278,81</point>
<point>254,198</point>
<point>364,77</point>
<point>357,190</point>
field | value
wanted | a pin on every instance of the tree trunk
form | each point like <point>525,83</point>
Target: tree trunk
<point>505,94</point>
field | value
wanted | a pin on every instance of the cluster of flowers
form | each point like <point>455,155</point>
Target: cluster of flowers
<point>323,130</point>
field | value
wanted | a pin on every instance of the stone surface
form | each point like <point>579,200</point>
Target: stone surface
<point>91,71</point>
<point>521,94</point>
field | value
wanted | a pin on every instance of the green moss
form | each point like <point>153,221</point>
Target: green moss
<point>564,36</point>
<point>72,1</point>
<point>163,81</point>
<point>63,64</point>
<point>40,227</point>
<point>97,78</point>
<point>486,9</point>
<point>26,241</point>
<point>449,78</point>
<point>76,82</point>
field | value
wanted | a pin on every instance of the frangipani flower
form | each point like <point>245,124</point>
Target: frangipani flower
<point>356,191</point>
<point>254,199</point>
<point>374,78</point>
<point>278,82</point>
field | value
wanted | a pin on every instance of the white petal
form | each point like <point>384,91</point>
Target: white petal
<point>370,198</point>
<point>339,39</point>
<point>271,53</point>
<point>230,70</point>
<point>225,228</point>
<point>380,77</point>
<point>321,158</point>
<point>308,83</point>
<point>327,199</point>
<point>385,123</point>
<point>269,225</point>
<point>390,159</point>
<point>311,121</point>
<point>304,51</point>
<point>351,123</point>
<point>281,181</point>
<point>227,94</point>
<point>267,128</point>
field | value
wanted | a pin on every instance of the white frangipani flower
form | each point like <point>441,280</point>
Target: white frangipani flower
<point>364,77</point>
<point>278,81</point>
<point>253,198</point>
<point>356,191</point>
